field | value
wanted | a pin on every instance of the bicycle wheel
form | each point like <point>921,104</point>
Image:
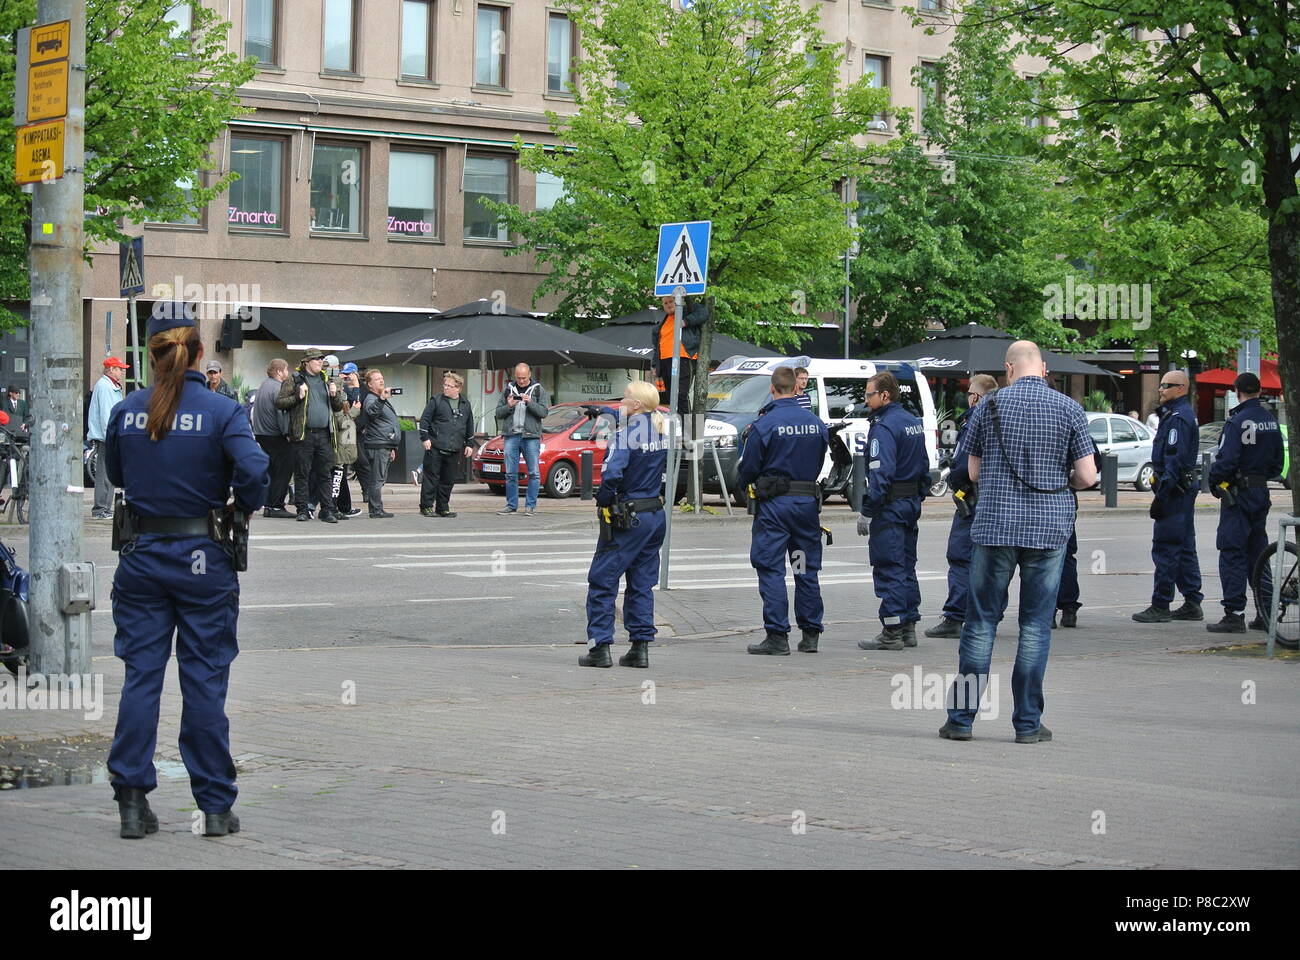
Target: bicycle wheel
<point>1288,619</point>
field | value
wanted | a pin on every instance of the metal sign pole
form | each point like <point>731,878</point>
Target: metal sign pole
<point>670,486</point>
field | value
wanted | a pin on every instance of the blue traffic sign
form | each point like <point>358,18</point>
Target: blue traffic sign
<point>683,259</point>
<point>130,261</point>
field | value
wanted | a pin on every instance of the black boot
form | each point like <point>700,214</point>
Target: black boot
<point>137,818</point>
<point>1231,623</point>
<point>597,656</point>
<point>220,824</point>
<point>809,642</point>
<point>909,634</point>
<point>1188,611</point>
<point>1259,623</point>
<point>638,656</point>
<point>889,638</point>
<point>1153,614</point>
<point>774,644</point>
<point>1070,617</point>
<point>947,628</point>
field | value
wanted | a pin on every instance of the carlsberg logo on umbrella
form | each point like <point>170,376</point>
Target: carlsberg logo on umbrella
<point>432,343</point>
<point>935,362</point>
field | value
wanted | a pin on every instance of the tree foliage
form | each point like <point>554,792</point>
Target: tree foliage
<point>726,112</point>
<point>154,105</point>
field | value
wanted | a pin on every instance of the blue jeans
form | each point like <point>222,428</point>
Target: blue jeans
<point>531,447</point>
<point>1040,578</point>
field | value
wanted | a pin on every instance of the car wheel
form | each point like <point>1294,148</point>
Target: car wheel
<point>561,480</point>
<point>1145,479</point>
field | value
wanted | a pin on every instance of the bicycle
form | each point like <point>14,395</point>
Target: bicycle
<point>1288,615</point>
<point>13,454</point>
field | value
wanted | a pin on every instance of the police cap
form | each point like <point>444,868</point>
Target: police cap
<point>169,314</point>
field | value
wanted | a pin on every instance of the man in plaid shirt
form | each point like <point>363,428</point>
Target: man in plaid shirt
<point>1027,445</point>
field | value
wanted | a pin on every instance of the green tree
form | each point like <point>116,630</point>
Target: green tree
<point>964,221</point>
<point>155,103</point>
<point>1186,91</point>
<point>726,112</point>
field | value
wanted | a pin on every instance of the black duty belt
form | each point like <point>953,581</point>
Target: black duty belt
<point>173,526</point>
<point>1252,480</point>
<point>900,491</point>
<point>789,488</point>
<point>649,505</point>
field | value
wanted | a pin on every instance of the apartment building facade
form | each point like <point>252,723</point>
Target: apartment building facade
<point>373,132</point>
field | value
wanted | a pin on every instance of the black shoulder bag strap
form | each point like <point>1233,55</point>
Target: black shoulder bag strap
<point>1002,449</point>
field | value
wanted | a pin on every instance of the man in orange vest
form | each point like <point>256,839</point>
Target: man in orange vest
<point>662,345</point>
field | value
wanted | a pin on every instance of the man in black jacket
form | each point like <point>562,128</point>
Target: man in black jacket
<point>447,430</point>
<point>379,439</point>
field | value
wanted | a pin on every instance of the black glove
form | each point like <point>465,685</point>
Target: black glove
<point>605,495</point>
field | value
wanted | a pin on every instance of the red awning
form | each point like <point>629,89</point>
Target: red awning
<point>1223,377</point>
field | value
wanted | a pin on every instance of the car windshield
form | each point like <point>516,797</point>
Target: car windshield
<point>561,419</point>
<point>738,393</point>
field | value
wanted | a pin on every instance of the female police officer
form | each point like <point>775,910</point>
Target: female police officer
<point>632,530</point>
<point>177,449</point>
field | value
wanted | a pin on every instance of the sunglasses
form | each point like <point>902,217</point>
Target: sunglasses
<point>1168,386</point>
<point>872,393</point>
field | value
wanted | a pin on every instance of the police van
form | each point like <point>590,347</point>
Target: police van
<point>837,388</point>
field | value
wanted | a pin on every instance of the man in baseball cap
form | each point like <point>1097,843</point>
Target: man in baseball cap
<point>106,395</point>
<point>216,384</point>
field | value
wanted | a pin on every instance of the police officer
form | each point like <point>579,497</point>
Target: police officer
<point>631,507</point>
<point>1250,454</point>
<point>779,463</point>
<point>897,470</point>
<point>959,541</point>
<point>1173,543</point>
<point>177,449</point>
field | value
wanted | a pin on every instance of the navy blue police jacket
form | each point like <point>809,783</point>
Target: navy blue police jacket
<point>959,475</point>
<point>635,461</point>
<point>1251,444</point>
<point>1176,447</point>
<point>895,454</point>
<point>787,441</point>
<point>209,450</point>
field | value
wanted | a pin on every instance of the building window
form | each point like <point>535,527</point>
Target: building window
<point>260,20</point>
<point>1036,119</point>
<point>417,40</point>
<point>257,197</point>
<point>490,41</point>
<point>931,6</point>
<point>486,178</point>
<point>931,92</point>
<point>876,69</point>
<point>340,35</point>
<point>20,364</point>
<point>181,17</point>
<point>559,53</point>
<point>336,176</point>
<point>550,190</point>
<point>413,194</point>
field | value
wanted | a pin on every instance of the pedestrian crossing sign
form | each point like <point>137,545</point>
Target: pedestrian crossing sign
<point>130,258</point>
<point>683,259</point>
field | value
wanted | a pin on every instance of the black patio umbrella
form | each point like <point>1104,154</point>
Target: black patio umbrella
<point>975,348</point>
<point>487,334</point>
<point>633,333</point>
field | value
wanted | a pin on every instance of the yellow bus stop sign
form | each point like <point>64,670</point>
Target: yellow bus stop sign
<point>39,152</point>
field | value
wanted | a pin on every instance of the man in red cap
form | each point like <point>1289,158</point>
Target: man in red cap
<point>107,395</point>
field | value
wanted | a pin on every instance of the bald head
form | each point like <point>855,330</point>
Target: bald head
<point>1172,386</point>
<point>1024,359</point>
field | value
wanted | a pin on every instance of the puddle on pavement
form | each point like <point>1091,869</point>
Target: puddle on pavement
<point>64,761</point>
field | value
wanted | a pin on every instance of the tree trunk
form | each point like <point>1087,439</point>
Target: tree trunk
<point>1284,265</point>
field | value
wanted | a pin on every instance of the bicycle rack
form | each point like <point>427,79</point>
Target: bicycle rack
<point>1279,560</point>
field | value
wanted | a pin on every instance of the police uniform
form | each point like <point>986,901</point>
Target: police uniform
<point>781,458</point>
<point>897,470</point>
<point>1250,454</point>
<point>632,478</point>
<point>959,541</point>
<point>179,583</point>
<point>1173,543</point>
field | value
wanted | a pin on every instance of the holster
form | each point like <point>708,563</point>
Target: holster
<point>616,516</point>
<point>125,529</point>
<point>229,528</point>
<point>1225,491</point>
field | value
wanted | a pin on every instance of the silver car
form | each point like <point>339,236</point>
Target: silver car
<point>1130,441</point>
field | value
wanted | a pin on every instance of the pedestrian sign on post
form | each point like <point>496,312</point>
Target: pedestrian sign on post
<point>683,259</point>
<point>130,258</point>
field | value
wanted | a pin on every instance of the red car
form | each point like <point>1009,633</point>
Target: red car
<point>566,433</point>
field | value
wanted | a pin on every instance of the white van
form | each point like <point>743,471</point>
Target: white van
<point>837,388</point>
